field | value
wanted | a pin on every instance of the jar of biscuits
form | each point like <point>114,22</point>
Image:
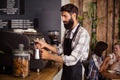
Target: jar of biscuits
<point>21,64</point>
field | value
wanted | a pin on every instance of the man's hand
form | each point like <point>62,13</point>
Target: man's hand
<point>45,54</point>
<point>40,43</point>
<point>48,56</point>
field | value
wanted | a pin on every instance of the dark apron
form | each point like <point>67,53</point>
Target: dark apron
<point>71,72</point>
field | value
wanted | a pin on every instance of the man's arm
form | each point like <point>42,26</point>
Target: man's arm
<point>48,56</point>
<point>41,44</point>
<point>104,64</point>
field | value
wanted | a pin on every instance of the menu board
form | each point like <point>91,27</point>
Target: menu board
<point>4,24</point>
<point>10,6</point>
<point>17,24</point>
<point>22,23</point>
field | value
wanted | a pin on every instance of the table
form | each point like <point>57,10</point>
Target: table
<point>46,74</point>
<point>111,76</point>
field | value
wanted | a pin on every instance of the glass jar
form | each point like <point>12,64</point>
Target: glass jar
<point>21,64</point>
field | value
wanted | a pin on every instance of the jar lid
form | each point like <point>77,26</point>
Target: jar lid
<point>24,54</point>
<point>20,52</point>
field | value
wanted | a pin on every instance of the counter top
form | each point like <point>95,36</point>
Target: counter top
<point>111,76</point>
<point>45,74</point>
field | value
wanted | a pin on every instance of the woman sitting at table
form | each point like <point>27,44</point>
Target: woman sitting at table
<point>112,61</point>
<point>96,61</point>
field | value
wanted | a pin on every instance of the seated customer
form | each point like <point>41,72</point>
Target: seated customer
<point>112,61</point>
<point>96,61</point>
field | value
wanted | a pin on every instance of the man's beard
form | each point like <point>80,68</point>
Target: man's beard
<point>69,25</point>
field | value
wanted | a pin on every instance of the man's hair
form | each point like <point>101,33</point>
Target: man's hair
<point>70,8</point>
<point>100,47</point>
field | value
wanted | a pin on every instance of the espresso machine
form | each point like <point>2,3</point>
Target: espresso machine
<point>54,37</point>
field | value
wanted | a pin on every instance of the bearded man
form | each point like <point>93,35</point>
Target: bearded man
<point>74,48</point>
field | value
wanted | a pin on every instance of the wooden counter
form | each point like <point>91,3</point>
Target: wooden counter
<point>111,76</point>
<point>46,74</point>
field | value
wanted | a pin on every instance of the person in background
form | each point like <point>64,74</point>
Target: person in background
<point>112,61</point>
<point>75,46</point>
<point>96,61</point>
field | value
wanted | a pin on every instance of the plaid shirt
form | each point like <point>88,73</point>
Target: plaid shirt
<point>80,47</point>
<point>93,70</point>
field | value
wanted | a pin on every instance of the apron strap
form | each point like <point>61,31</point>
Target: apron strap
<point>76,32</point>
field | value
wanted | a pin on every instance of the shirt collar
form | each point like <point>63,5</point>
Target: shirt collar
<point>74,29</point>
